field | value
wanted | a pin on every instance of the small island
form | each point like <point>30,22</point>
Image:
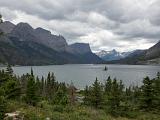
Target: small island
<point>105,68</point>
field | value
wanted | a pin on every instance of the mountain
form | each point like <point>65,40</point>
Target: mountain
<point>153,52</point>
<point>25,32</point>
<point>55,42</point>
<point>6,27</point>
<point>23,45</point>
<point>80,48</point>
<point>148,56</point>
<point>112,55</point>
<point>133,58</point>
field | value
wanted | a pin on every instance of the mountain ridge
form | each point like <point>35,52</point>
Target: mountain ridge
<point>112,55</point>
<point>19,41</point>
<point>148,56</point>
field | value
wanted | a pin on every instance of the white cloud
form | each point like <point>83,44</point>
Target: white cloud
<point>105,24</point>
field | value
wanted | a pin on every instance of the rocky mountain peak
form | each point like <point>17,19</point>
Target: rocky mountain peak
<point>7,27</point>
<point>24,32</point>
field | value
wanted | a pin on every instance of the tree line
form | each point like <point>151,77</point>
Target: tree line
<point>114,98</point>
<point>32,90</point>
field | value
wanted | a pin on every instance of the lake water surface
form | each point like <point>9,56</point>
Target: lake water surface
<point>82,75</point>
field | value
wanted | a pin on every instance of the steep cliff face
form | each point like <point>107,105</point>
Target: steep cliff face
<point>80,48</point>
<point>53,41</point>
<point>153,52</point>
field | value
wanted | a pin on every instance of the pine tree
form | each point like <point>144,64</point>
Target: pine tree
<point>53,85</point>
<point>96,94</point>
<point>9,70</point>
<point>156,90</point>
<point>115,96</point>
<point>31,96</point>
<point>147,94</point>
<point>10,84</point>
<point>1,33</point>
<point>2,107</point>
<point>12,89</point>
<point>60,98</point>
<point>128,93</point>
<point>2,104</point>
<point>108,86</point>
<point>38,87</point>
<point>48,86</point>
<point>43,86</point>
<point>1,19</point>
<point>86,96</point>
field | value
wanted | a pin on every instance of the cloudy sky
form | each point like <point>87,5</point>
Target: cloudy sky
<point>106,24</point>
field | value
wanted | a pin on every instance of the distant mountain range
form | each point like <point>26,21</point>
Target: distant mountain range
<point>112,55</point>
<point>22,45</point>
<point>148,56</point>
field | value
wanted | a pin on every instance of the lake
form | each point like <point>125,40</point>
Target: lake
<point>84,74</point>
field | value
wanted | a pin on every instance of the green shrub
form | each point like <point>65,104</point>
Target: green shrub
<point>58,108</point>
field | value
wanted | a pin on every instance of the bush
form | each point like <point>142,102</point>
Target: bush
<point>58,108</point>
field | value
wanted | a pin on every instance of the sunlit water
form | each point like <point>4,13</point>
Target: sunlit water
<point>82,75</point>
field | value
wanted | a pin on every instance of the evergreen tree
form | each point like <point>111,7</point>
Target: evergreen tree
<point>128,93</point>
<point>156,87</point>
<point>147,94</point>
<point>115,96</point>
<point>1,33</point>
<point>1,19</point>
<point>10,84</point>
<point>136,94</point>
<point>43,86</point>
<point>31,96</point>
<point>38,87</point>
<point>60,98</point>
<point>9,70</point>
<point>108,86</point>
<point>2,104</point>
<point>48,87</point>
<point>53,85</point>
<point>96,94</point>
<point>86,96</point>
<point>12,89</point>
<point>53,80</point>
<point>2,107</point>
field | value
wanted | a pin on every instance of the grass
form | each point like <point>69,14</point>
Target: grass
<point>78,112</point>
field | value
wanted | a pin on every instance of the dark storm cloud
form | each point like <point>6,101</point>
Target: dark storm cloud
<point>103,23</point>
